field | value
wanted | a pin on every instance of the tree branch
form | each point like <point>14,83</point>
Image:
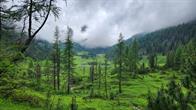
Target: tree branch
<point>31,36</point>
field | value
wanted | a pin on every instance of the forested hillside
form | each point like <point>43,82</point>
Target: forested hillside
<point>164,40</point>
<point>40,49</point>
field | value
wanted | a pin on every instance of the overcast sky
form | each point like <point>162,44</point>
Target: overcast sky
<point>97,23</point>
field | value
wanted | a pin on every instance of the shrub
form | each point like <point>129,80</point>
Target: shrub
<point>27,96</point>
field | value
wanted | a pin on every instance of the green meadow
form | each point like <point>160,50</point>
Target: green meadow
<point>134,95</point>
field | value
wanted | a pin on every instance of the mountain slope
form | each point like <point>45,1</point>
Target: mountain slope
<point>163,40</point>
<point>42,49</point>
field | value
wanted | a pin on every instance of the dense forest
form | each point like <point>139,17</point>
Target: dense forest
<point>149,71</point>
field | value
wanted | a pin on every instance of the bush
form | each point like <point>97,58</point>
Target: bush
<point>28,96</point>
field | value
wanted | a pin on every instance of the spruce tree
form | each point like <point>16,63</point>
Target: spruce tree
<point>134,57</point>
<point>178,58</point>
<point>47,70</point>
<point>170,61</point>
<point>56,59</point>
<point>152,59</point>
<point>54,69</point>
<point>92,77</point>
<point>69,57</point>
<point>119,61</point>
<point>99,74</point>
<point>105,75</point>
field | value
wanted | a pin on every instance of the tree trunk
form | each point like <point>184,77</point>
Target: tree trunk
<point>54,72</point>
<point>58,69</point>
<point>99,72</point>
<point>106,90</point>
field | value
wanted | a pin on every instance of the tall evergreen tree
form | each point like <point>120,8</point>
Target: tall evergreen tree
<point>152,59</point>
<point>190,59</point>
<point>54,69</point>
<point>69,57</point>
<point>178,57</point>
<point>170,61</point>
<point>47,70</point>
<point>119,60</point>
<point>134,57</point>
<point>105,75</point>
<point>56,59</point>
<point>92,77</point>
<point>99,74</point>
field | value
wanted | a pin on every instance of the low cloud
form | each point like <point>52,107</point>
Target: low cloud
<point>105,19</point>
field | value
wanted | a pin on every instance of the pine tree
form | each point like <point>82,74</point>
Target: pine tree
<point>119,60</point>
<point>152,59</point>
<point>47,70</point>
<point>92,77</point>
<point>56,59</point>
<point>69,58</point>
<point>170,61</point>
<point>54,69</point>
<point>178,58</point>
<point>190,57</point>
<point>99,74</point>
<point>133,57</point>
<point>105,76</point>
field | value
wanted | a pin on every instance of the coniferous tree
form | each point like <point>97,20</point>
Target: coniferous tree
<point>190,57</point>
<point>119,61</point>
<point>47,70</point>
<point>92,73</point>
<point>152,59</point>
<point>54,69</point>
<point>171,98</point>
<point>127,59</point>
<point>99,74</point>
<point>69,58</point>
<point>134,57</point>
<point>178,58</point>
<point>56,59</point>
<point>105,76</point>
<point>170,61</point>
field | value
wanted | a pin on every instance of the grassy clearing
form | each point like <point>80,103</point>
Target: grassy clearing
<point>134,94</point>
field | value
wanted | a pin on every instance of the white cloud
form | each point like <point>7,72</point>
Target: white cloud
<point>107,18</point>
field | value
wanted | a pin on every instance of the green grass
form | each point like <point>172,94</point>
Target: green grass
<point>134,93</point>
<point>161,60</point>
<point>9,105</point>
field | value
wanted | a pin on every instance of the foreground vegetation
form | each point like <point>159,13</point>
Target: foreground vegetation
<point>30,96</point>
